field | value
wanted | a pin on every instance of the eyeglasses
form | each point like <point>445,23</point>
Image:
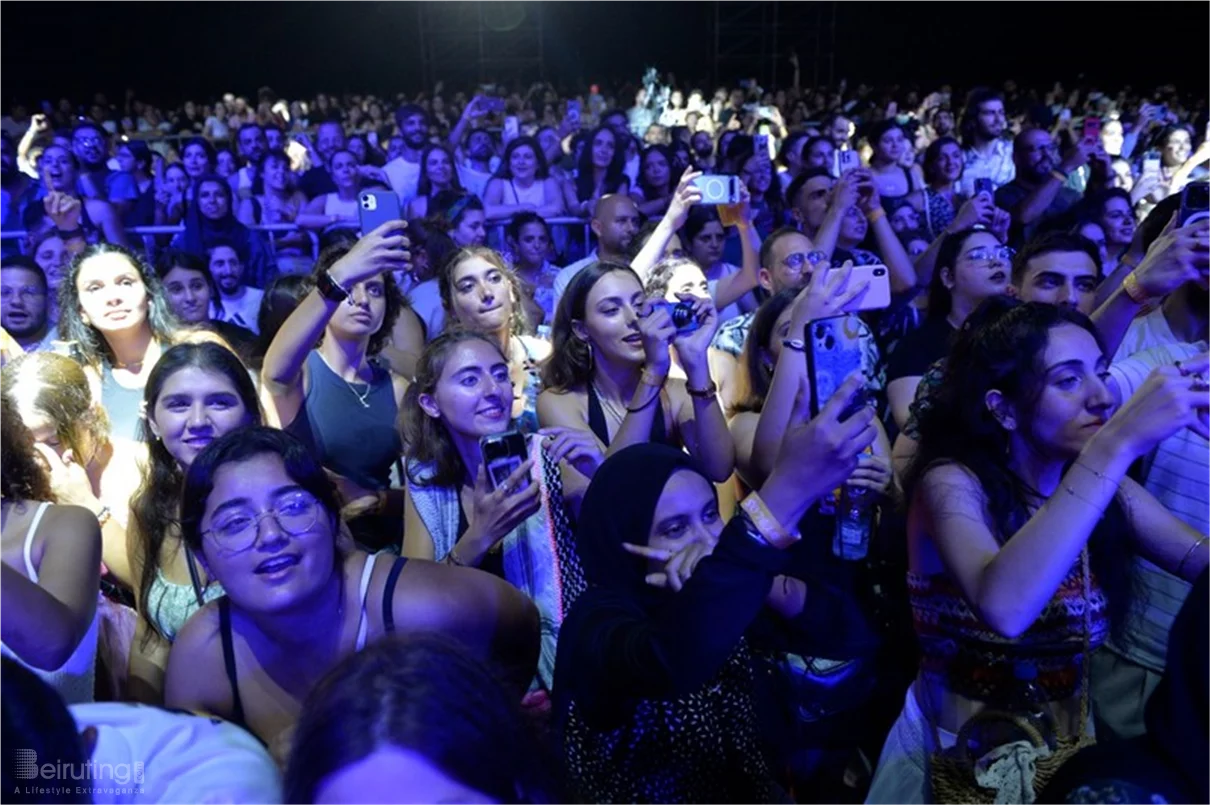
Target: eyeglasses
<point>798,259</point>
<point>295,514</point>
<point>26,292</point>
<point>983,254</point>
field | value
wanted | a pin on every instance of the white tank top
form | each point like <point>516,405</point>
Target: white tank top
<point>75,680</point>
<point>534,194</point>
<point>333,205</point>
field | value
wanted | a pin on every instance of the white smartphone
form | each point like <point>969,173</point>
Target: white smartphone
<point>878,295</point>
<point>512,128</point>
<point>850,160</point>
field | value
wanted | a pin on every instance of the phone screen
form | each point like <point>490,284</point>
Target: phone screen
<point>502,454</point>
<point>849,160</point>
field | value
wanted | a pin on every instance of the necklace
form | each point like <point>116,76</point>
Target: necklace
<point>361,398</point>
<point>130,367</point>
<point>609,406</point>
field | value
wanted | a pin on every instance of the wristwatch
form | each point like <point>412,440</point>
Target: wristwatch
<point>329,288</point>
<point>796,344</point>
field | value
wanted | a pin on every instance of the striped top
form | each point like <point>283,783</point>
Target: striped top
<point>1179,478</point>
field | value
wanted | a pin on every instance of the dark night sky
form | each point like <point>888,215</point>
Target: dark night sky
<point>171,50</point>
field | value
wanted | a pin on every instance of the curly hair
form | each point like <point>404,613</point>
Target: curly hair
<point>22,475</point>
<point>93,348</point>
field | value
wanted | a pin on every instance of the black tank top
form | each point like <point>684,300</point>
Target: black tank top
<point>596,421</point>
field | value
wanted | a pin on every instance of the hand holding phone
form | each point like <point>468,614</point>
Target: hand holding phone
<point>834,353</point>
<point>497,509</point>
<point>850,160</point>
<point>718,189</point>
<point>1151,163</point>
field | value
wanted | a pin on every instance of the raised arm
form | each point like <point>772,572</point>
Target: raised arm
<point>686,196</point>
<point>733,287</point>
<point>898,263</point>
<point>384,249</point>
<point>1008,585</point>
<point>700,417</point>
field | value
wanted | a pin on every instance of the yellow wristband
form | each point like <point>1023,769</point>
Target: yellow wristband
<point>772,531</point>
<point>875,215</point>
<point>1132,288</point>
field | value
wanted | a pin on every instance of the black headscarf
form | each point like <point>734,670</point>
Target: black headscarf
<point>201,233</point>
<point>1178,712</point>
<point>618,508</point>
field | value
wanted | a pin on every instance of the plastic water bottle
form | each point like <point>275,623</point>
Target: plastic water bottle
<point>854,520</point>
<point>1025,700</point>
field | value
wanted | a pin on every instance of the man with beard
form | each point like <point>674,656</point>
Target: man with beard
<point>615,222</point>
<point>329,138</point>
<point>23,307</point>
<point>240,303</point>
<point>1038,194</point>
<point>90,144</point>
<point>703,150</point>
<point>253,145</point>
<point>475,169</point>
<point>404,171</point>
<point>988,155</point>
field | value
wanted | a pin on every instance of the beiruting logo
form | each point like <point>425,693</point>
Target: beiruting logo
<point>89,777</point>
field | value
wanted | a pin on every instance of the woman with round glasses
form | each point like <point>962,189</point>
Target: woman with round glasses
<point>261,516</point>
<point>972,265</point>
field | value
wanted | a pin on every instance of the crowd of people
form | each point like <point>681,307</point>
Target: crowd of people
<point>479,506</point>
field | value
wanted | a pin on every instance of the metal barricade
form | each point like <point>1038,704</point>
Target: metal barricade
<point>148,235</point>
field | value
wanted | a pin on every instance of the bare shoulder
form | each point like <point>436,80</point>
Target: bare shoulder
<point>952,489</point>
<point>195,678</point>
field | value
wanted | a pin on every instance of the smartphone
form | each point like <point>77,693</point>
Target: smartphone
<point>1092,129</point>
<point>494,105</point>
<point>512,128</point>
<point>850,160</point>
<point>573,110</point>
<point>718,189</point>
<point>878,294</point>
<point>1151,162</point>
<point>762,146</point>
<point>502,454</point>
<point>985,185</point>
<point>1195,203</point>
<point>833,353</point>
<point>376,207</point>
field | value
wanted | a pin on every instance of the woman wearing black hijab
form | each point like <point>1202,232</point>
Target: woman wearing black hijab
<point>211,219</point>
<point>1168,762</point>
<point>653,682</point>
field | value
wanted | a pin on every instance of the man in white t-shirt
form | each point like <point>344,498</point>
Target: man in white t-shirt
<point>615,222</point>
<point>476,168</point>
<point>240,304</point>
<point>404,171</point>
<point>252,145</point>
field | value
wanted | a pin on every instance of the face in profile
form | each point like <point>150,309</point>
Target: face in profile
<point>474,393</point>
<point>611,311</point>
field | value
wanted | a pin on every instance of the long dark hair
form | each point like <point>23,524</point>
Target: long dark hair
<point>179,258</point>
<point>1000,347</point>
<point>202,232</point>
<point>425,694</point>
<point>94,349</point>
<point>570,361</point>
<point>154,507</point>
<point>425,439</point>
<point>240,445</point>
<point>613,173</point>
<point>424,185</point>
<point>284,294</point>
<point>674,175</point>
<point>22,476</point>
<point>756,365</point>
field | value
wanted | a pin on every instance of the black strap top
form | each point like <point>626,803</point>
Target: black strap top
<point>596,421</point>
<point>228,641</point>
